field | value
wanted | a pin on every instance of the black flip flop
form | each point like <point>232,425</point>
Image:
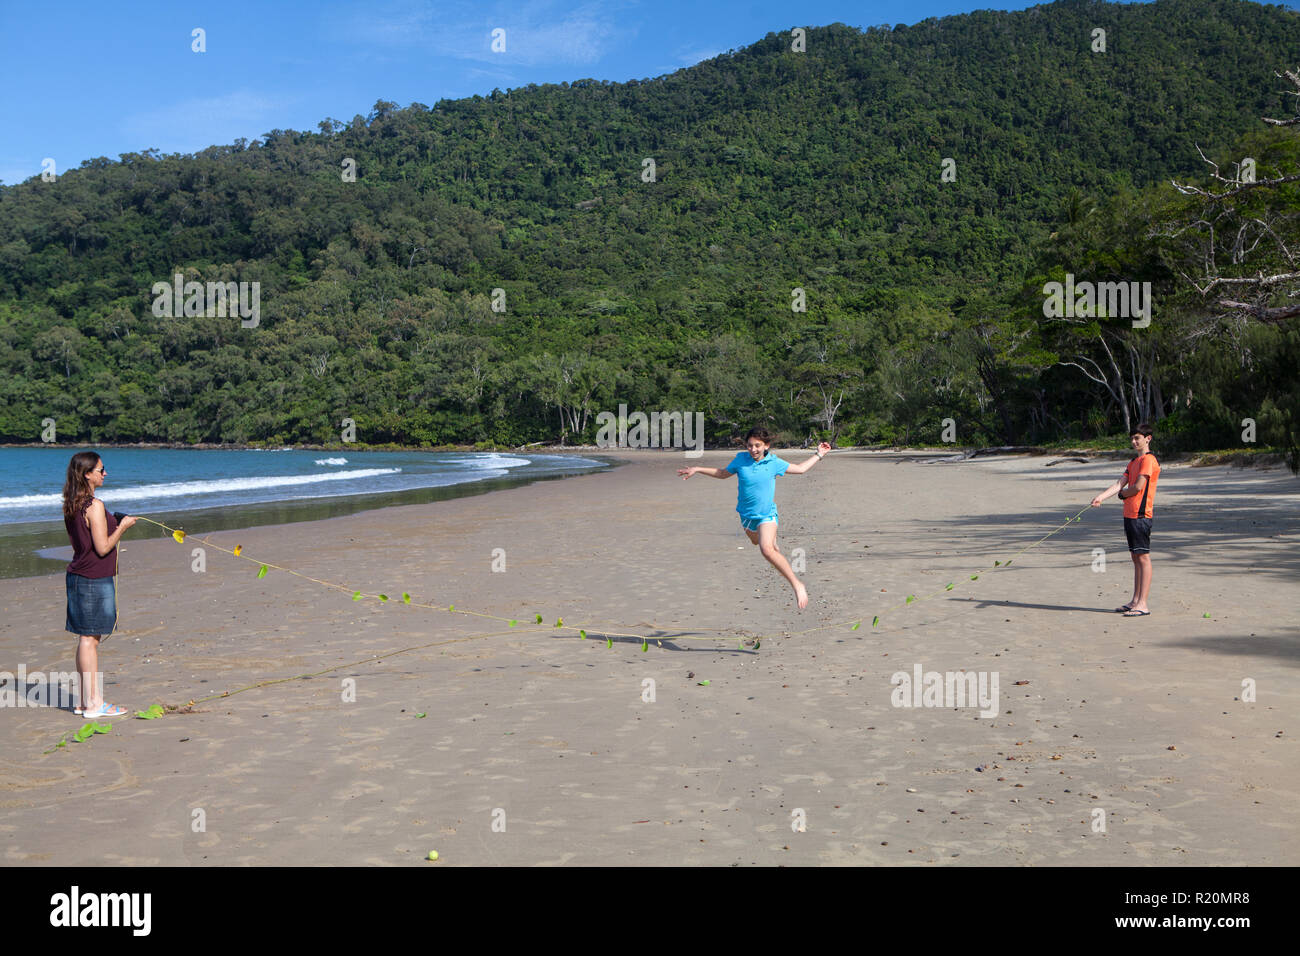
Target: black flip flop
<point>1132,613</point>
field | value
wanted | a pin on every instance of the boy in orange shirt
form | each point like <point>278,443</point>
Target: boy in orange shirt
<point>1138,490</point>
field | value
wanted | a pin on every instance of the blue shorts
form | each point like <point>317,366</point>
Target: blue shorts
<point>92,605</point>
<point>751,524</point>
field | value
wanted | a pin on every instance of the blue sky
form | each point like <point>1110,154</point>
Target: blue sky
<point>87,79</point>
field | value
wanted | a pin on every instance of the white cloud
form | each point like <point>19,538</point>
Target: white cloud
<point>535,31</point>
<point>196,124</point>
<point>691,57</point>
<point>499,77</point>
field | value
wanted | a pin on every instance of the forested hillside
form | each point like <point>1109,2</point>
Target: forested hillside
<point>773,170</point>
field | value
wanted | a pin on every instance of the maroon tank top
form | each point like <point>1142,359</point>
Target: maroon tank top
<point>85,561</point>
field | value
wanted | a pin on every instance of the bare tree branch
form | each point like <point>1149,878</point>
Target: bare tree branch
<point>1257,281</point>
<point>1295,80</point>
<point>1261,312</point>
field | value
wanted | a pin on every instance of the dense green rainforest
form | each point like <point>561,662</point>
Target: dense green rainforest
<point>502,268</point>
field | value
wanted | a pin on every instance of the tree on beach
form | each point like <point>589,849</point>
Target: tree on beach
<point>1248,224</point>
<point>1106,242</point>
<point>1241,248</point>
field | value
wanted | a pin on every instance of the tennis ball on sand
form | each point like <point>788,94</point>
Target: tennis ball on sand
<point>433,854</point>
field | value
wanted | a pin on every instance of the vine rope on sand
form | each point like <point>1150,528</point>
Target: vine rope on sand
<point>264,567</point>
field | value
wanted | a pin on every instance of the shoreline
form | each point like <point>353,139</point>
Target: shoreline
<point>294,511</point>
<point>1266,456</point>
<point>22,542</point>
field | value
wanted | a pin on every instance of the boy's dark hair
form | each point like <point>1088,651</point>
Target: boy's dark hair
<point>762,434</point>
<point>1143,429</point>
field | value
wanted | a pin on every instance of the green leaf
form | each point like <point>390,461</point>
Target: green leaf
<point>383,597</point>
<point>910,599</point>
<point>559,622</point>
<point>950,587</point>
<point>856,625</point>
<point>702,683</point>
<point>757,644</point>
<point>154,712</point>
<point>974,577</point>
<point>512,623</point>
<point>609,642</point>
<point>1206,614</point>
<point>90,730</point>
<point>406,598</point>
<point>875,620</point>
<point>356,595</point>
<point>539,619</point>
<point>452,607</point>
<point>997,564</point>
<point>645,646</point>
<point>421,715</point>
<point>262,571</point>
<point>582,634</point>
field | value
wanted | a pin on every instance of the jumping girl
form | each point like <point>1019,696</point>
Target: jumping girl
<point>758,470</point>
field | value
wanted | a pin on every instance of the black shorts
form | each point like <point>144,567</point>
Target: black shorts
<point>1138,532</point>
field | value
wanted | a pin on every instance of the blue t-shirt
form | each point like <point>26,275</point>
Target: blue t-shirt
<point>756,497</point>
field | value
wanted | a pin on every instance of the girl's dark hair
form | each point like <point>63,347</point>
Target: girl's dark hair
<point>1144,430</point>
<point>76,490</point>
<point>762,434</point>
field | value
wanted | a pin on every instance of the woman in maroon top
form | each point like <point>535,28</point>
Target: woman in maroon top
<point>92,598</point>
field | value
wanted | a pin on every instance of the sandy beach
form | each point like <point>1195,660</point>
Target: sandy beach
<point>540,748</point>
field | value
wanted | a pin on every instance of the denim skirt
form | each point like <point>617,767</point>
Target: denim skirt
<point>92,605</point>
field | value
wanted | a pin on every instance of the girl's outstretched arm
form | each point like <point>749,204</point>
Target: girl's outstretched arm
<point>711,472</point>
<point>822,451</point>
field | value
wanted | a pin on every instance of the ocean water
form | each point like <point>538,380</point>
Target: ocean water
<point>213,489</point>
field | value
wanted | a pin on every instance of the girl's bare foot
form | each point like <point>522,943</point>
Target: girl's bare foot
<point>801,593</point>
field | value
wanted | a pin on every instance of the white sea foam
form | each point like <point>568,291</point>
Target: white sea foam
<point>331,461</point>
<point>182,488</point>
<point>490,461</point>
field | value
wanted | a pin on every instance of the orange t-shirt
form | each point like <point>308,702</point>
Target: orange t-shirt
<point>1142,504</point>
